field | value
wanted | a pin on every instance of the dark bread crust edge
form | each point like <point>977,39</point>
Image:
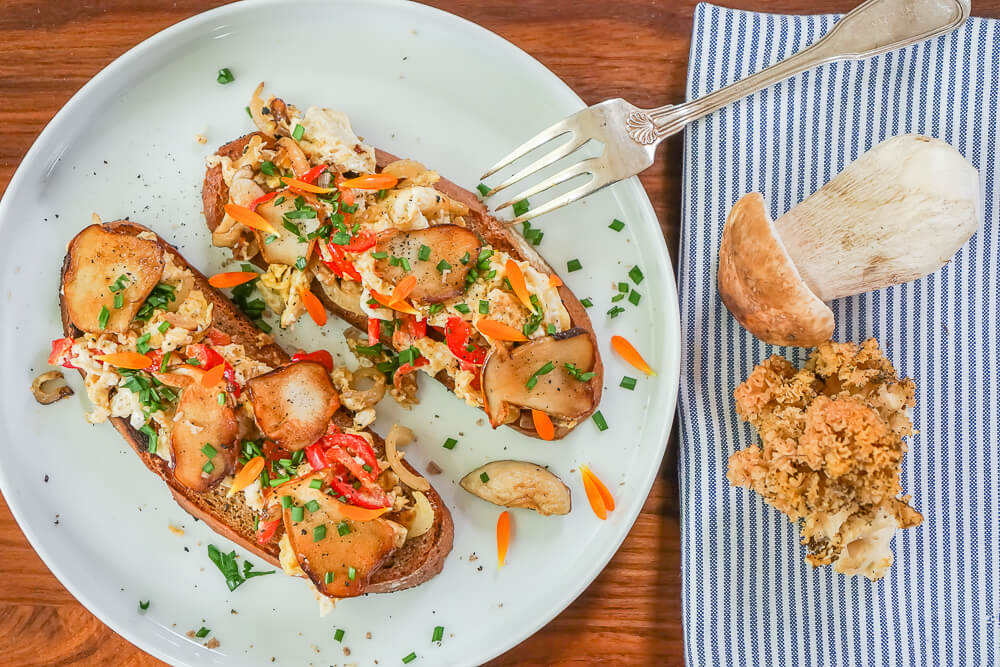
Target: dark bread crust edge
<point>494,231</point>
<point>417,561</point>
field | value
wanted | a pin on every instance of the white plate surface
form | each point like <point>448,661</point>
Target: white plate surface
<point>419,83</point>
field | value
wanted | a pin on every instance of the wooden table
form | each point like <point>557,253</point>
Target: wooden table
<point>636,49</point>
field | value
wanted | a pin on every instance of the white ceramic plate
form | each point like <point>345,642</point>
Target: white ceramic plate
<point>419,83</point>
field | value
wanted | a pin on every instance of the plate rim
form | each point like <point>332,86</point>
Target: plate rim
<point>670,353</point>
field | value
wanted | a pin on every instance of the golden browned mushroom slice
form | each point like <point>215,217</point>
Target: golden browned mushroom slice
<point>96,260</point>
<point>202,438</point>
<point>896,214</point>
<point>286,248</point>
<point>441,276</point>
<point>328,547</point>
<point>524,378</point>
<point>519,484</point>
<point>293,405</point>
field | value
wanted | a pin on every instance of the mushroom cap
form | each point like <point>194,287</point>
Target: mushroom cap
<point>760,285</point>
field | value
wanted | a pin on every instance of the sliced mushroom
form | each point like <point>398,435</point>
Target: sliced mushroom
<point>897,213</point>
<point>286,248</point>
<point>97,258</point>
<point>203,426</point>
<point>321,547</point>
<point>293,405</point>
<point>50,387</point>
<point>448,243</point>
<point>557,393</point>
<point>519,484</point>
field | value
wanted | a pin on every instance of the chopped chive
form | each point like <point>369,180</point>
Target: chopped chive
<point>586,303</point>
<point>319,532</point>
<point>484,307</point>
<point>405,262</point>
<point>343,528</point>
<point>462,308</point>
<point>119,284</point>
<point>298,132</point>
<point>316,484</point>
<point>573,265</point>
<point>208,468</point>
<point>270,238</point>
<point>521,207</point>
<point>150,434</point>
<point>351,573</point>
<point>435,308</point>
<point>628,383</point>
<point>144,605</point>
<point>410,658</point>
<point>443,266</point>
<point>209,451</point>
<point>300,263</point>
<point>550,329</point>
<point>202,632</point>
<point>465,258</point>
<point>142,343</point>
<point>634,297</point>
<point>617,225</point>
<point>636,275</point>
<point>298,513</point>
<point>366,468</point>
<point>286,501</point>
<point>312,505</point>
<point>450,443</point>
<point>102,319</point>
<point>328,579</point>
<point>381,194</point>
<point>163,364</point>
<point>278,481</point>
<point>163,327</point>
<point>339,634</point>
<point>424,253</point>
<point>378,254</point>
<point>483,477</point>
<point>247,107</point>
<point>438,634</point>
<point>483,189</point>
<point>119,300</point>
<point>225,76</point>
<point>615,312</point>
<point>221,398</point>
<point>623,287</point>
<point>267,168</point>
<point>533,380</point>
<point>598,418</point>
<point>617,297</point>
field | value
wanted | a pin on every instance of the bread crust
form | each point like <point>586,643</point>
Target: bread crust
<point>417,561</point>
<point>493,231</point>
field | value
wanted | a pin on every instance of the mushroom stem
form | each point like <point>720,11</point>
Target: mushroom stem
<point>896,214</point>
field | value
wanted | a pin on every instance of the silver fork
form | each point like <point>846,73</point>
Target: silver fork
<point>630,134</point>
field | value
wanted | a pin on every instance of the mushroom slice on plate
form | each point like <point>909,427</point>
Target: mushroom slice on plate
<point>294,404</point>
<point>337,554</point>
<point>507,377</point>
<point>441,276</point>
<point>202,438</point>
<point>519,484</point>
<point>286,248</point>
<point>95,264</point>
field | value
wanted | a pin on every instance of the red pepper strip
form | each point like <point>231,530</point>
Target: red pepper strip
<point>343,447</point>
<point>339,264</point>
<point>319,356</point>
<point>61,348</point>
<point>407,368</point>
<point>316,456</point>
<point>374,330</point>
<point>156,360</point>
<point>417,328</point>
<point>216,337</point>
<point>208,359</point>
<point>311,175</point>
<point>363,241</point>
<point>457,333</point>
<point>263,199</point>
<point>267,529</point>
<point>369,496</point>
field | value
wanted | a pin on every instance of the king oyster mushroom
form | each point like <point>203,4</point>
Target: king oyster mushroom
<point>519,484</point>
<point>896,214</point>
<point>293,405</point>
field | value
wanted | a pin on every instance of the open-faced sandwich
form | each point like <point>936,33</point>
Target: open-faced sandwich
<point>438,284</point>
<point>270,451</point>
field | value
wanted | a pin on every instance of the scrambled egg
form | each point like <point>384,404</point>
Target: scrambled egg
<point>328,137</point>
<point>281,286</point>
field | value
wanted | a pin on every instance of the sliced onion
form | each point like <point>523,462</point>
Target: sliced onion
<point>356,399</point>
<point>264,123</point>
<point>47,388</point>
<point>400,436</point>
<point>297,158</point>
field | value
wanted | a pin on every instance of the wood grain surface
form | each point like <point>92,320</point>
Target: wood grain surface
<point>636,49</point>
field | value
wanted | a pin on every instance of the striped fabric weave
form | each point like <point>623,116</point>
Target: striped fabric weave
<point>749,597</point>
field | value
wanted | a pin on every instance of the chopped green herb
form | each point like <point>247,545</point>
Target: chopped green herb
<point>158,299</point>
<point>636,275</point>
<point>316,484</point>
<point>521,207</point>
<point>202,632</point>
<point>615,312</point>
<point>102,319</point>
<point>208,468</point>
<point>300,263</point>
<point>142,343</point>
<point>298,513</point>
<point>598,418</point>
<point>248,111</point>
<point>351,573</point>
<point>405,263</point>
<point>409,355</point>
<point>424,253</point>
<point>617,297</point>
<point>270,238</point>
<point>573,265</point>
<point>623,287</point>
<point>151,437</point>
<point>119,284</point>
<point>628,383</point>
<point>634,297</point>
<point>533,380</point>
<point>298,132</point>
<point>381,194</point>
<point>550,329</point>
<point>119,300</point>
<point>209,451</point>
<point>286,501</point>
<point>378,254</point>
<point>225,76</point>
<point>319,532</point>
<point>328,579</point>
<point>343,528</point>
<point>617,225</point>
<point>163,327</point>
<point>483,189</point>
<point>438,634</point>
<point>409,658</point>
<point>312,505</point>
<point>144,605</point>
<point>484,307</point>
<point>267,168</point>
<point>462,308</point>
<point>278,481</point>
<point>227,565</point>
<point>586,303</point>
<point>435,308</point>
<point>443,266</point>
<point>163,364</point>
<point>532,235</point>
<point>450,443</point>
<point>582,376</point>
<point>465,258</point>
<point>339,634</point>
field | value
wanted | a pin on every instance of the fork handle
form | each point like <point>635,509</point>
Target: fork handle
<point>874,27</point>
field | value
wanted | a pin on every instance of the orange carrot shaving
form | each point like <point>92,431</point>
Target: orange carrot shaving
<point>403,289</point>
<point>371,182</point>
<point>316,310</point>
<point>232,279</point>
<point>543,425</point>
<point>296,184</point>
<point>213,375</point>
<point>401,306</point>
<point>609,501</point>
<point>243,215</point>
<point>629,354</point>
<point>346,195</point>
<point>593,495</point>
<point>499,330</point>
<point>353,513</point>
<point>555,281</point>
<point>130,360</point>
<point>246,476</point>
<point>503,537</point>
<point>516,278</point>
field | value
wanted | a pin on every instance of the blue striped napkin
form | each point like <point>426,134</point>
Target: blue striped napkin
<point>749,598</point>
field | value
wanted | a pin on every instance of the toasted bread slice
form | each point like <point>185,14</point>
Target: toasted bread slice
<point>496,233</point>
<point>415,562</point>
